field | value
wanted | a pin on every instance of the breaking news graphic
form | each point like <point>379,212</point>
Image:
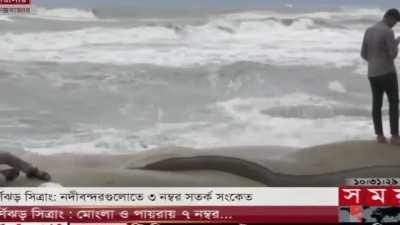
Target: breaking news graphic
<point>375,205</point>
<point>170,205</point>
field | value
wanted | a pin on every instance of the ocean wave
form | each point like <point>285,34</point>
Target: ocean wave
<point>343,14</point>
<point>269,40</point>
<point>309,23</point>
<point>316,112</point>
<point>61,40</point>
<point>294,105</point>
<point>112,141</point>
<point>297,119</point>
<point>94,140</point>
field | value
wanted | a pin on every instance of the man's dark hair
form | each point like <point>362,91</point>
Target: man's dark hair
<point>393,13</point>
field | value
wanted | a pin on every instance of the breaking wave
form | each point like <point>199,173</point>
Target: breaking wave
<point>262,37</point>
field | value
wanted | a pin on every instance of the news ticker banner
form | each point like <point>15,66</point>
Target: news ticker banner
<point>168,196</point>
<point>15,7</point>
<point>161,205</point>
<point>201,205</point>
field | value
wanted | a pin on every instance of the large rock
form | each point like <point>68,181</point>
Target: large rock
<point>326,165</point>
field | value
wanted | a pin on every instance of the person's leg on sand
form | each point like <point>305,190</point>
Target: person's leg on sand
<point>377,101</point>
<point>392,92</point>
<point>21,165</point>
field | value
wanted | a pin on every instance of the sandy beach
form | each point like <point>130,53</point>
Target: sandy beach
<point>256,166</point>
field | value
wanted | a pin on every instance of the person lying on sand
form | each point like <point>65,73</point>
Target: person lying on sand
<point>379,49</point>
<point>18,165</point>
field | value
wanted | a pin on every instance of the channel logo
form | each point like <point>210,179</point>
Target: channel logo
<point>15,2</point>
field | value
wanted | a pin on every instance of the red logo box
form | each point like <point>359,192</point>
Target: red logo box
<point>351,196</point>
<point>369,196</point>
<point>394,196</point>
<point>378,196</point>
<point>15,2</point>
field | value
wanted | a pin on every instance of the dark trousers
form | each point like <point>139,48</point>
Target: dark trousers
<point>385,84</point>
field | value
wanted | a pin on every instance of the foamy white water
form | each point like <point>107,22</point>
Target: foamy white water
<point>254,37</point>
<point>337,87</point>
<point>74,81</point>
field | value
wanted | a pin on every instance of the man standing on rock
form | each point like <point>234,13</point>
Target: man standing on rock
<point>380,49</point>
